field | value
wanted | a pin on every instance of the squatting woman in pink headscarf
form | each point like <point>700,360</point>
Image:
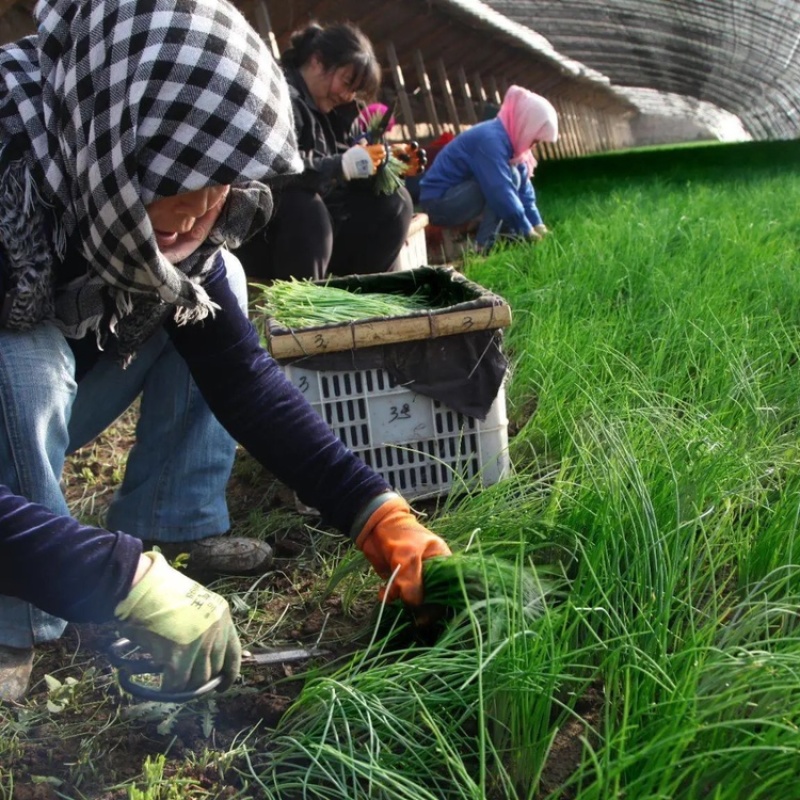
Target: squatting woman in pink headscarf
<point>486,171</point>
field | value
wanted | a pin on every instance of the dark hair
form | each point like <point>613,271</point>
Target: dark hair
<point>339,45</point>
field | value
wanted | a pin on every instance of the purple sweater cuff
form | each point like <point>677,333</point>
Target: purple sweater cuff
<point>73,571</point>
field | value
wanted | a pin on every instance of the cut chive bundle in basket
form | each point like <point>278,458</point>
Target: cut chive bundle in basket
<point>303,304</point>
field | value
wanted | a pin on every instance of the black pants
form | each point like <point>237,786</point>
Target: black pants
<point>353,232</point>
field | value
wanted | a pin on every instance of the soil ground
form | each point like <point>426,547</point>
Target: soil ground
<point>49,753</point>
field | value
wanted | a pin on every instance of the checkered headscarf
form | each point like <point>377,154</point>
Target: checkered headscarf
<point>122,102</point>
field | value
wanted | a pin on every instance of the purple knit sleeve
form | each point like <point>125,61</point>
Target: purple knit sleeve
<point>249,394</point>
<point>73,571</point>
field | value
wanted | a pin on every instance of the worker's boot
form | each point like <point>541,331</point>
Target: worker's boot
<point>229,555</point>
<point>15,672</point>
<point>219,555</point>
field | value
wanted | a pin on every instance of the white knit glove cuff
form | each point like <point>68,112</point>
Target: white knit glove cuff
<point>357,163</point>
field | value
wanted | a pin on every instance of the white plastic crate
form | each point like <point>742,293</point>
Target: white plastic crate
<point>419,446</point>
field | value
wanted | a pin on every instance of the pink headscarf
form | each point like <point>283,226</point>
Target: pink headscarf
<point>528,118</point>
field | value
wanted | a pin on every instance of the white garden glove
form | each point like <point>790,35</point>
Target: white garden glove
<point>186,628</point>
<point>362,161</point>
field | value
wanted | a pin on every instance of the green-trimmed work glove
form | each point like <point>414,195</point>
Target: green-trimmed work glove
<point>186,628</point>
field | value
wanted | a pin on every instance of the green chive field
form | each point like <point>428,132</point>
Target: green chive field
<point>624,610</point>
<point>654,399</point>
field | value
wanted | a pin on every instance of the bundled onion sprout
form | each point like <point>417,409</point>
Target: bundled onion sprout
<point>303,304</point>
<point>465,578</point>
<point>505,594</point>
<point>389,178</point>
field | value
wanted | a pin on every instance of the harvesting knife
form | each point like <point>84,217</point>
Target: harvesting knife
<point>120,656</point>
<point>281,655</point>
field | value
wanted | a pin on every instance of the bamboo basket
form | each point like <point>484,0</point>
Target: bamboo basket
<point>460,306</point>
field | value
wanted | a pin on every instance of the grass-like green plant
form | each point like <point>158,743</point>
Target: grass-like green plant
<point>654,392</point>
<point>368,729</point>
<point>624,609</point>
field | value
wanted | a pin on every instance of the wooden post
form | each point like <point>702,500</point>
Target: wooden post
<point>607,132</point>
<point>494,91</point>
<point>566,141</point>
<point>480,93</point>
<point>587,117</point>
<point>427,95</point>
<point>402,94</point>
<point>449,102</point>
<point>264,27</point>
<point>577,138</point>
<point>578,127</point>
<point>469,105</point>
<point>586,120</point>
<point>561,146</point>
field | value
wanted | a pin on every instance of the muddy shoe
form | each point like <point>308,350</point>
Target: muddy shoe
<point>15,672</point>
<point>230,555</point>
<point>220,555</point>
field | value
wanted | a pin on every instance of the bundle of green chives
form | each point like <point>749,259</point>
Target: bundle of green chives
<point>468,581</point>
<point>303,304</point>
<point>389,178</point>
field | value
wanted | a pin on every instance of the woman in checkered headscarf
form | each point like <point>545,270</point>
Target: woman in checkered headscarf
<point>108,114</point>
<point>138,139</point>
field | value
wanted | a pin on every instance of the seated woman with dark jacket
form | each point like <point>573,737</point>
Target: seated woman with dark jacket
<point>329,220</point>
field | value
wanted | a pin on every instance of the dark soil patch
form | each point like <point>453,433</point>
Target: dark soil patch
<point>104,738</point>
<point>567,749</point>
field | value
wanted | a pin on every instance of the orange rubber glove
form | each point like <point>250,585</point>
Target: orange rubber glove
<point>413,156</point>
<point>391,538</point>
<point>378,153</point>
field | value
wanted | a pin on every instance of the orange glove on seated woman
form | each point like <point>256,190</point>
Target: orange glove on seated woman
<point>411,154</point>
<point>391,538</point>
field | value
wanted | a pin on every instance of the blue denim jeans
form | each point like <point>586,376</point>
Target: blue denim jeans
<point>176,472</point>
<point>464,202</point>
<point>460,204</point>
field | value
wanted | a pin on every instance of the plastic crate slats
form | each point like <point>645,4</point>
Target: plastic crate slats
<point>378,419</point>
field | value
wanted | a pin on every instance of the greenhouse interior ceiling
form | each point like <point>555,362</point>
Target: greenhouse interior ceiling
<point>742,56</point>
<point>673,69</point>
<point>621,73</point>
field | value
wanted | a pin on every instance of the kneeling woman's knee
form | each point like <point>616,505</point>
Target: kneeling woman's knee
<point>37,390</point>
<point>401,205</point>
<point>40,357</point>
